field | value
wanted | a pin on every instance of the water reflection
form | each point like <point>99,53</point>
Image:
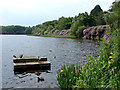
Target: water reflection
<point>37,72</point>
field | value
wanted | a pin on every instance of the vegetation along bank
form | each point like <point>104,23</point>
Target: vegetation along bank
<point>104,71</point>
<point>64,26</point>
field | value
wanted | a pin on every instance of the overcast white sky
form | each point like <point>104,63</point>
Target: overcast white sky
<point>33,12</point>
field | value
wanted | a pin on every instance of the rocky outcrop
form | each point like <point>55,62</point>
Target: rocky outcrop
<point>58,32</point>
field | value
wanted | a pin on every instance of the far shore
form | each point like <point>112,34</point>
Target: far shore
<point>56,36</point>
<point>62,36</point>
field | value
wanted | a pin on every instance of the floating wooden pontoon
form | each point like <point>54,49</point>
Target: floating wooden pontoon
<point>30,63</point>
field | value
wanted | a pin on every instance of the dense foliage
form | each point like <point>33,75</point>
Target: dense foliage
<point>82,22</point>
<point>60,24</point>
<point>76,24</point>
<point>16,30</point>
<point>98,13</point>
<point>101,72</point>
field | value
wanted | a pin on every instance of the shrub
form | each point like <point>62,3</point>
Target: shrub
<point>79,31</point>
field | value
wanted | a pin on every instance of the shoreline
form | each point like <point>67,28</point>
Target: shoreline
<point>62,36</point>
<point>55,36</point>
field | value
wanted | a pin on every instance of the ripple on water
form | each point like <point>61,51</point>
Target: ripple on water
<point>59,52</point>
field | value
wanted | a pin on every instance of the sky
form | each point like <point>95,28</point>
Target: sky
<point>34,12</point>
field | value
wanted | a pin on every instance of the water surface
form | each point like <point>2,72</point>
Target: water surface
<point>59,51</point>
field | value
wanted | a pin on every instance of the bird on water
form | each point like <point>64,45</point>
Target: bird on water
<point>14,56</point>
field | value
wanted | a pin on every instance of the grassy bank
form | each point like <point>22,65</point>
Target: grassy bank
<point>56,36</point>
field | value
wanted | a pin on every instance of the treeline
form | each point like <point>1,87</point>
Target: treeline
<point>76,24</point>
<point>16,30</point>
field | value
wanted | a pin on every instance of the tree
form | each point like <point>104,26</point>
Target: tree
<point>74,28</point>
<point>68,22</point>
<point>83,20</point>
<point>28,30</point>
<point>79,31</point>
<point>13,29</point>
<point>62,23</point>
<point>99,14</point>
<point>96,11</point>
<point>116,9</point>
<point>89,21</point>
<point>114,16</point>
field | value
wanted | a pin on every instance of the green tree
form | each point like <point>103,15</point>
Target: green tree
<point>116,9</point>
<point>68,22</point>
<point>99,15</point>
<point>36,30</point>
<point>28,30</point>
<point>13,29</point>
<point>89,21</point>
<point>114,16</point>
<point>96,11</point>
<point>62,23</point>
<point>83,19</point>
<point>74,28</point>
<point>79,31</point>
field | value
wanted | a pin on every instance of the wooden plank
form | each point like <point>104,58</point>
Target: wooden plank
<point>29,59</point>
<point>32,63</point>
<point>31,66</point>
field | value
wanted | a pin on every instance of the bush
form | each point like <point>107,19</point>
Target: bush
<point>79,31</point>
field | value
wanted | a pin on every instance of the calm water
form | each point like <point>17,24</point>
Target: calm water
<point>59,52</point>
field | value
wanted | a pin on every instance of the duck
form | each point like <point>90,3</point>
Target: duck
<point>21,55</point>
<point>14,56</point>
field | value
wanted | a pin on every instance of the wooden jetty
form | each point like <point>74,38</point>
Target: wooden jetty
<point>31,63</point>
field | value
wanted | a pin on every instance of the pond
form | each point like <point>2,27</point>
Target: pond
<point>59,51</point>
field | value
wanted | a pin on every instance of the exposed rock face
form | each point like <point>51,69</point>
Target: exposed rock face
<point>95,31</point>
<point>51,31</point>
<point>64,32</point>
<point>58,32</point>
